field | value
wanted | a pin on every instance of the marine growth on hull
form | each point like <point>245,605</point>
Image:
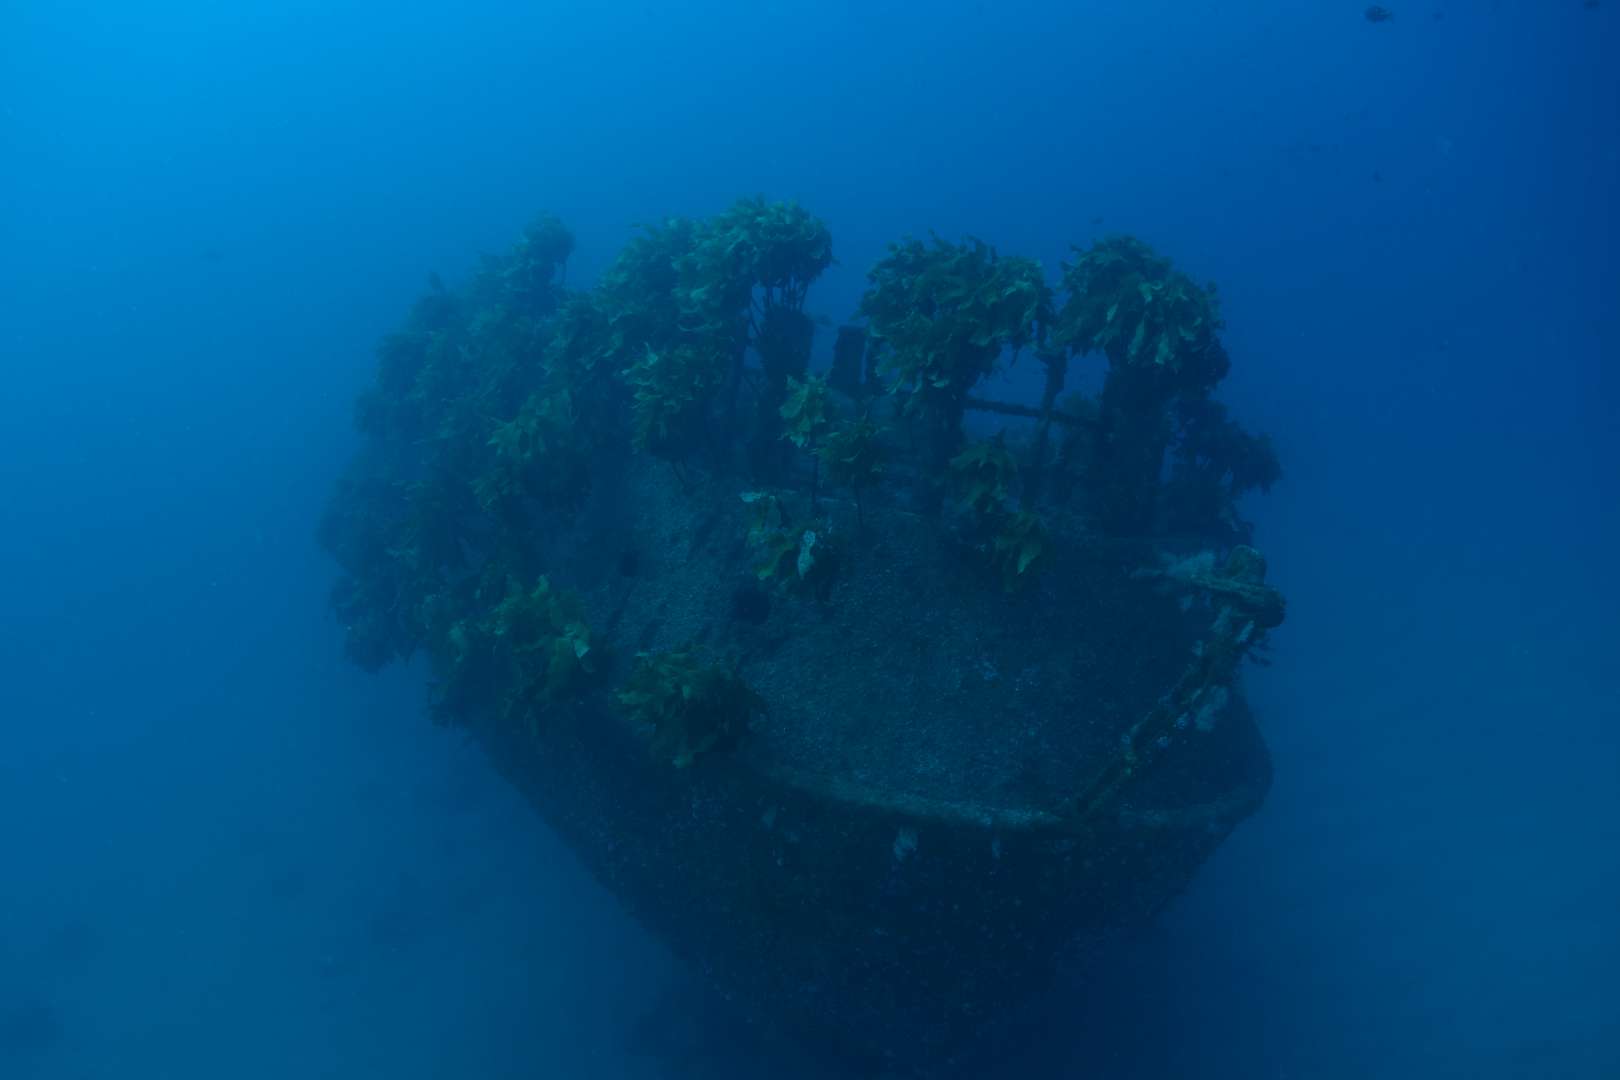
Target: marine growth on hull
<point>829,653</point>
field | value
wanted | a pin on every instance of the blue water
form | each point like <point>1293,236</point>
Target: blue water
<point>223,851</point>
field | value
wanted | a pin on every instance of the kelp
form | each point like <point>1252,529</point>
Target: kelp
<point>691,705</point>
<point>942,314</point>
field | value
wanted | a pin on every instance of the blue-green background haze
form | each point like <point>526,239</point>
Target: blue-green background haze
<point>222,851</point>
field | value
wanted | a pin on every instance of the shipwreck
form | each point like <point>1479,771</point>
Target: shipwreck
<point>864,689</point>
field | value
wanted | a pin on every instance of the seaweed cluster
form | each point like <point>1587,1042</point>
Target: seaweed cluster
<point>501,408</point>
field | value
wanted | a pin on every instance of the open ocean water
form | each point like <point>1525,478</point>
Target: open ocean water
<point>224,851</point>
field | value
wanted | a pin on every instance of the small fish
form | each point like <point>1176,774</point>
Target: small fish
<point>1378,14</point>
